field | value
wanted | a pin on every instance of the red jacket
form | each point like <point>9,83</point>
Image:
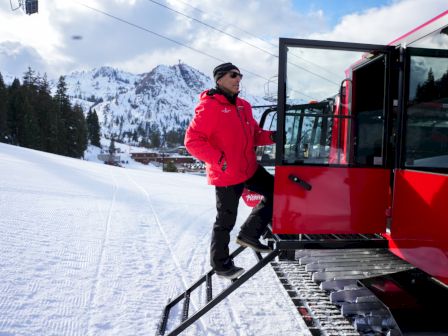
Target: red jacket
<point>222,132</point>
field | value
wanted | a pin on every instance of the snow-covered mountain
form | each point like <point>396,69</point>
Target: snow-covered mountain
<point>129,106</point>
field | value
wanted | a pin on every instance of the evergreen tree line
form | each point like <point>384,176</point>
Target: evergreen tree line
<point>30,117</point>
<point>432,89</point>
<point>152,137</point>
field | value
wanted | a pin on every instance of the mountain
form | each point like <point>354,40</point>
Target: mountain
<point>132,106</point>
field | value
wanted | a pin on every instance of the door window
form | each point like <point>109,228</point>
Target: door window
<point>308,133</point>
<point>426,144</point>
<point>344,122</point>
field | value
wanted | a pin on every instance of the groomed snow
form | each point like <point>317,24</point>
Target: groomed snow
<point>90,249</point>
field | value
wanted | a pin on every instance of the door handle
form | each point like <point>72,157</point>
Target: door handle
<point>305,185</point>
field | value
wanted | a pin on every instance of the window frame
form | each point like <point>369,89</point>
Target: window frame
<point>284,44</point>
<point>406,55</point>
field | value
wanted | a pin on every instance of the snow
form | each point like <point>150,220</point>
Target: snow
<point>91,249</point>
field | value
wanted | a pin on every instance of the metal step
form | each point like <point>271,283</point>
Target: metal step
<point>347,259</point>
<point>339,284</point>
<point>374,323</point>
<point>324,276</point>
<point>341,252</point>
<point>366,266</point>
<point>348,295</point>
<point>329,241</point>
<point>363,308</point>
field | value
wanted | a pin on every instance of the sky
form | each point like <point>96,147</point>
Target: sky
<point>137,35</point>
<point>92,249</point>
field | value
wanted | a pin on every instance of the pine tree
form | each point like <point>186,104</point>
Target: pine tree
<point>431,86</point>
<point>77,132</point>
<point>4,129</point>
<point>154,136</point>
<point>170,167</point>
<point>25,129</point>
<point>30,132</point>
<point>112,147</point>
<point>443,85</point>
<point>22,120</point>
<point>134,136</point>
<point>31,136</point>
<point>63,114</point>
<point>15,113</point>
<point>428,90</point>
<point>46,109</point>
<point>175,138</point>
<point>30,78</point>
<point>31,118</point>
<point>93,128</point>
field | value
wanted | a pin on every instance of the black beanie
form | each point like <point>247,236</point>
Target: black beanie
<point>222,69</point>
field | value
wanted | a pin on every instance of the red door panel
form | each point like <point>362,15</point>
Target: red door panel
<point>342,200</point>
<point>419,230</point>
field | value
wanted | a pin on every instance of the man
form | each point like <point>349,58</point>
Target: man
<point>223,134</point>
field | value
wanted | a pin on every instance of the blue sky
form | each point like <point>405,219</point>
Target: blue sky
<point>334,10</point>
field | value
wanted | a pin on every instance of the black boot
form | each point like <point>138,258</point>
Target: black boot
<point>229,271</point>
<point>253,243</point>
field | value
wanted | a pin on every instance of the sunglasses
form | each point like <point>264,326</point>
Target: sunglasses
<point>234,74</point>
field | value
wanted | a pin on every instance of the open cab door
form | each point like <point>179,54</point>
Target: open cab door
<point>419,231</point>
<point>332,173</point>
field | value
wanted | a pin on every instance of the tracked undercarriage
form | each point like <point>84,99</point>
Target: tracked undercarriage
<point>324,286</point>
<point>341,285</point>
<point>359,291</point>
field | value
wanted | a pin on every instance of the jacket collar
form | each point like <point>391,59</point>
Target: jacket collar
<point>232,99</point>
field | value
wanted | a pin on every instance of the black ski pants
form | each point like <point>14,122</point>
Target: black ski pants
<point>227,199</point>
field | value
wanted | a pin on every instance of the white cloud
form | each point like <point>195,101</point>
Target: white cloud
<point>108,41</point>
<point>15,58</point>
<point>382,25</point>
<point>35,31</point>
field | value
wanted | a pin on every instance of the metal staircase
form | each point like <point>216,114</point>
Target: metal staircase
<point>211,300</point>
<point>284,247</point>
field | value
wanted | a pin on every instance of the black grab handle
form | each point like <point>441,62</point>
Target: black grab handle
<point>300,182</point>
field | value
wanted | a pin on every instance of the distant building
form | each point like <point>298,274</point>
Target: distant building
<point>181,150</point>
<point>109,158</point>
<point>144,158</point>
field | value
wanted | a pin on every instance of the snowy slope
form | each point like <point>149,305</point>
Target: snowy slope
<point>90,249</point>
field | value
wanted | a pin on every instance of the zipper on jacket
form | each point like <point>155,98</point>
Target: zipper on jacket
<point>245,135</point>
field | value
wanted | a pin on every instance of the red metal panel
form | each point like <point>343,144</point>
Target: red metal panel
<point>419,231</point>
<point>342,200</point>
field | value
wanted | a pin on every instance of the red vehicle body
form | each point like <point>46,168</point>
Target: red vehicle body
<point>374,157</point>
<point>360,171</point>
